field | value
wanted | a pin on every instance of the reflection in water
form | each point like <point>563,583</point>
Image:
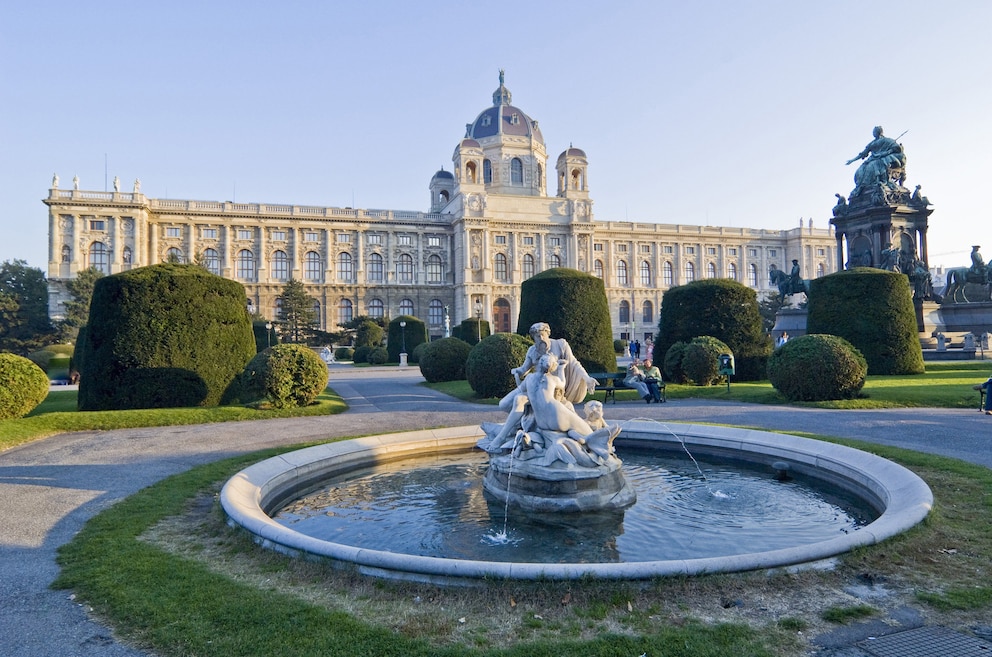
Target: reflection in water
<point>435,507</point>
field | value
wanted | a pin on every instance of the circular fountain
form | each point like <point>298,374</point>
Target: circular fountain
<point>899,497</point>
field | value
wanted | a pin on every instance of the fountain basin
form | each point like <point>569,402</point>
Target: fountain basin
<point>602,488</point>
<point>902,498</point>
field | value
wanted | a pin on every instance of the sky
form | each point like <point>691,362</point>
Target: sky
<point>712,113</point>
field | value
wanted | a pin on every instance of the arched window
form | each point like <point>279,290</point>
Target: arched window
<point>624,312</point>
<point>528,265</point>
<point>470,172</point>
<point>820,271</point>
<point>554,260</point>
<point>376,309</point>
<point>346,311</point>
<point>597,268</point>
<point>345,271</point>
<point>752,275</point>
<point>435,312</point>
<point>690,272</point>
<point>174,255</point>
<point>622,272</point>
<point>710,270</point>
<point>646,273</point>
<point>375,268</point>
<point>280,266</point>
<point>66,253</point>
<point>499,262</point>
<point>487,171</point>
<point>211,261</point>
<point>444,196</point>
<point>317,318</point>
<point>99,258</point>
<point>732,271</point>
<point>404,268</point>
<point>576,179</point>
<point>406,307</point>
<point>245,265</point>
<point>501,316</point>
<point>647,313</point>
<point>667,274</point>
<point>435,273</point>
<point>313,268</point>
<point>516,171</point>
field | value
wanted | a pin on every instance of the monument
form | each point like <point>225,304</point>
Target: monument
<point>545,456</point>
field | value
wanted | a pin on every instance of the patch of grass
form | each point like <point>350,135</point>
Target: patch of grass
<point>58,414</point>
<point>843,615</point>
<point>793,624</point>
<point>959,598</point>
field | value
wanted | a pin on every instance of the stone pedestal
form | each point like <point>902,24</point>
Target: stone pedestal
<point>403,360</point>
<point>791,321</point>
<point>565,489</point>
<point>975,318</point>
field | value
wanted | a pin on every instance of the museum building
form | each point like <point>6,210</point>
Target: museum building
<point>490,225</point>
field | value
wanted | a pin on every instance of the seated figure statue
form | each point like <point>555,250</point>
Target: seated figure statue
<point>884,163</point>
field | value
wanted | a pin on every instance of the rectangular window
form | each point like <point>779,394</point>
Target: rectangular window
<point>668,249</point>
<point>772,253</point>
<point>374,238</point>
<point>98,224</point>
<point>405,240</point>
<point>529,240</point>
<point>732,251</point>
<point>690,250</point>
<point>244,234</point>
<point>343,237</point>
<point>598,246</point>
<point>209,233</point>
<point>279,235</point>
<point>645,248</point>
<point>433,240</point>
<point>310,236</point>
<point>172,231</point>
<point>821,252</point>
<point>501,239</point>
<point>622,248</point>
<point>752,253</point>
<point>710,250</point>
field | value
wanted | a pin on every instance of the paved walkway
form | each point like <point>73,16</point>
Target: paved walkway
<point>50,488</point>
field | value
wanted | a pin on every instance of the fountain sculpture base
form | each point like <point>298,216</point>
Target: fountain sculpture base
<point>568,489</point>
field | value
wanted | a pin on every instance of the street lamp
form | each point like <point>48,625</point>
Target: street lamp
<point>268,334</point>
<point>478,317</point>
<point>403,333</point>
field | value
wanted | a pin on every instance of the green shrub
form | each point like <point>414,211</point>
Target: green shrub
<point>672,366</point>
<point>41,358</point>
<point>619,346</point>
<point>873,310</point>
<point>817,368</point>
<point>378,356</point>
<point>700,361</point>
<point>444,360</point>
<point>344,353</point>
<point>418,353</point>
<point>489,363</point>
<point>264,338</point>
<point>470,329</point>
<point>23,385</point>
<point>413,334</point>
<point>368,334</point>
<point>574,305</point>
<point>361,354</point>
<point>718,307</point>
<point>58,367</point>
<point>287,376</point>
<point>150,323</point>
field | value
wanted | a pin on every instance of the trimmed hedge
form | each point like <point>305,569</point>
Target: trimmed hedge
<point>489,363</point>
<point>575,306</point>
<point>723,309</point>
<point>415,333</point>
<point>817,367</point>
<point>444,359</point>
<point>179,333</point>
<point>696,361</point>
<point>23,385</point>
<point>287,376</point>
<point>873,310</point>
<point>470,329</point>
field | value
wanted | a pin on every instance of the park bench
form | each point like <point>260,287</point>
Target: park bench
<point>609,383</point>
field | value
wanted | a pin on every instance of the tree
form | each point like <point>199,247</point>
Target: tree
<point>26,328</point>
<point>77,310</point>
<point>298,316</point>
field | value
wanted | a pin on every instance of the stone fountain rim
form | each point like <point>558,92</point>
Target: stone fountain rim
<point>902,496</point>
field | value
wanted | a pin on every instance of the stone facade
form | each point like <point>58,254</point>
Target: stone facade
<point>491,225</point>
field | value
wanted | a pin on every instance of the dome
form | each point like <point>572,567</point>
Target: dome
<point>443,175</point>
<point>572,152</point>
<point>503,118</point>
<point>469,143</point>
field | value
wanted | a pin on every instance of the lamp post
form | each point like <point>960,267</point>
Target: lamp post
<point>268,334</point>
<point>478,317</point>
<point>403,354</point>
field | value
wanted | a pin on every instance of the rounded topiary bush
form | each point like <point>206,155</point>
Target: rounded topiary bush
<point>287,376</point>
<point>672,366</point>
<point>23,385</point>
<point>619,346</point>
<point>700,360</point>
<point>873,310</point>
<point>418,353</point>
<point>816,368</point>
<point>148,324</point>
<point>444,360</point>
<point>361,354</point>
<point>378,356</point>
<point>344,353</point>
<point>411,335</point>
<point>489,363</point>
<point>575,306</point>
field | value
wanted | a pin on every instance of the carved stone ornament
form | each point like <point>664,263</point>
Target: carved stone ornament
<point>474,202</point>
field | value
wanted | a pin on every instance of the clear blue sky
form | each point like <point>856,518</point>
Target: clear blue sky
<point>717,113</point>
